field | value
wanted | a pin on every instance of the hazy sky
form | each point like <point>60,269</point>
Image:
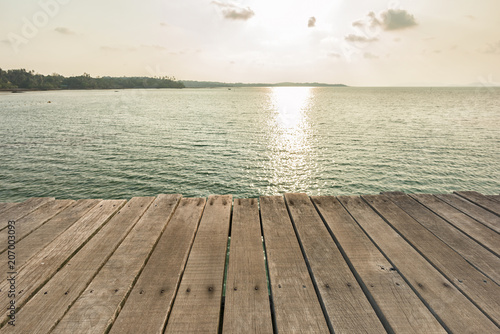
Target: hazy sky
<point>356,42</point>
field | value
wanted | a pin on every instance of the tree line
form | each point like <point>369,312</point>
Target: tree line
<point>22,79</point>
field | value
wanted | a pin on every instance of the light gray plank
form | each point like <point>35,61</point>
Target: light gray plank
<point>399,305</point>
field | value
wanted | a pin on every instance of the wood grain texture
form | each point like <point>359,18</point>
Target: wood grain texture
<point>34,220</point>
<point>473,252</point>
<point>42,236</point>
<point>474,284</point>
<point>483,216</point>
<point>6,206</point>
<point>43,265</point>
<point>247,308</point>
<point>474,229</point>
<point>348,308</point>
<point>400,306</point>
<point>197,305</point>
<point>20,210</point>
<point>96,308</point>
<point>296,305</point>
<point>48,306</point>
<point>444,299</point>
<point>481,200</point>
<point>154,292</point>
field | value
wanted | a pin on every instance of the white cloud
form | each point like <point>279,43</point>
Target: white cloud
<point>368,55</point>
<point>358,38</point>
<point>493,48</point>
<point>391,19</point>
<point>64,31</point>
<point>312,22</point>
<point>234,11</point>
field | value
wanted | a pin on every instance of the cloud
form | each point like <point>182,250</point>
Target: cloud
<point>391,19</point>
<point>471,17</point>
<point>369,55</point>
<point>312,22</point>
<point>106,48</point>
<point>64,31</point>
<point>334,55</point>
<point>493,48</point>
<point>234,11</point>
<point>357,38</point>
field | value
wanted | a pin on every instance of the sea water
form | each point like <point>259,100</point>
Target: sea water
<point>248,141</point>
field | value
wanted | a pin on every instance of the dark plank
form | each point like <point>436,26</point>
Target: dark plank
<point>198,303</point>
<point>469,249</point>
<point>348,308</point>
<point>296,305</point>
<point>42,266</point>
<point>399,305</point>
<point>22,209</point>
<point>447,302</point>
<point>96,308</point>
<point>156,287</point>
<point>494,197</point>
<point>41,237</point>
<point>474,284</point>
<point>481,215</point>
<point>460,220</point>
<point>481,200</point>
<point>247,309</point>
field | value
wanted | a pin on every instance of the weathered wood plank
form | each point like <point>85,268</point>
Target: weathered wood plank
<point>296,305</point>
<point>463,222</point>
<point>198,302</point>
<point>494,197</point>
<point>399,305</point>
<point>481,200</point>
<point>32,221</point>
<point>445,300</point>
<point>6,206</point>
<point>96,308</point>
<point>481,215</point>
<point>42,236</point>
<point>48,306</point>
<point>22,209</point>
<point>152,296</point>
<point>42,266</point>
<point>348,309</point>
<point>474,284</point>
<point>472,251</point>
<point>247,309</point>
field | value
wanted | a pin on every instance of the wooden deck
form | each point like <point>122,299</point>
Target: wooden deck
<point>391,263</point>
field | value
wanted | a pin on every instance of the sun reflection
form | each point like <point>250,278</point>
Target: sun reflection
<point>290,139</point>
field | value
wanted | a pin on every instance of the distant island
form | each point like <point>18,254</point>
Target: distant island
<point>18,80</point>
<point>212,84</point>
<point>22,80</point>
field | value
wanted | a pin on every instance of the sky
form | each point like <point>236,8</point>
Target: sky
<point>354,42</point>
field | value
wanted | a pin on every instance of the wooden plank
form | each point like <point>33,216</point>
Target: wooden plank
<point>157,285</point>
<point>48,306</point>
<point>457,313</point>
<point>474,284</point>
<point>6,206</point>
<point>481,200</point>
<point>463,222</point>
<point>96,308</point>
<point>494,197</point>
<point>198,302</point>
<point>296,305</point>
<point>399,305</point>
<point>44,235</point>
<point>473,252</point>
<point>481,215</point>
<point>22,209</point>
<point>41,267</point>
<point>247,310</point>
<point>32,221</point>
<point>348,309</point>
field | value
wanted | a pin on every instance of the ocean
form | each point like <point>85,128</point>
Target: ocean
<point>248,142</point>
